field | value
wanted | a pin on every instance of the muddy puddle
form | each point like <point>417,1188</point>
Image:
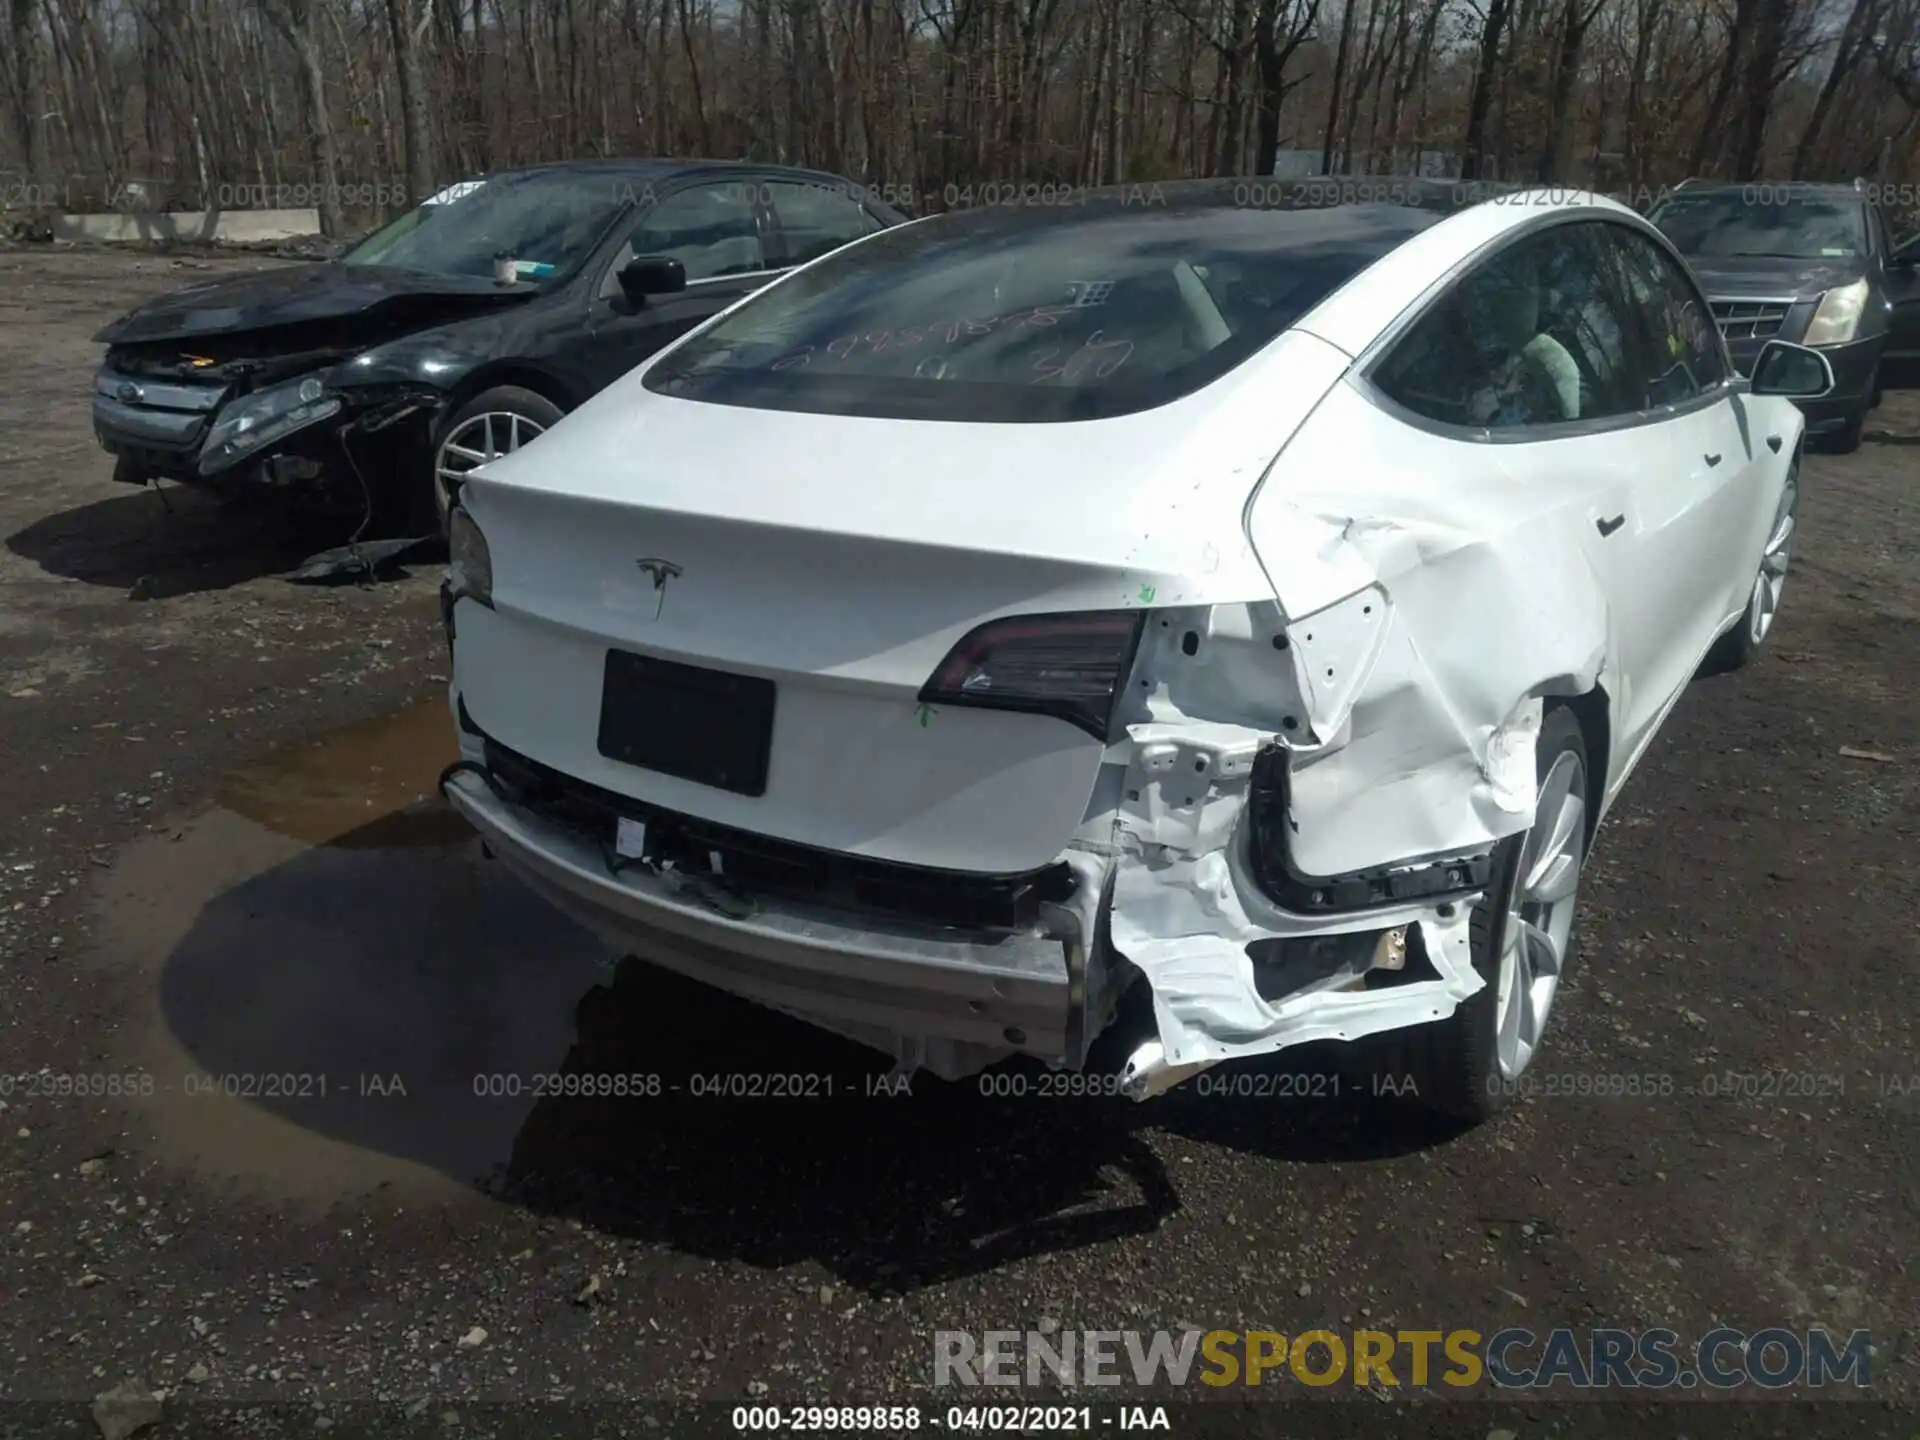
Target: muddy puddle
<point>332,989</point>
<point>369,786</point>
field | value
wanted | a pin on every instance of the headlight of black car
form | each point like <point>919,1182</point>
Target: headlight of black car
<point>255,421</point>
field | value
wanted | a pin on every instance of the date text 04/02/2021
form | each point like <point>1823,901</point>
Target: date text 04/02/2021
<point>955,1419</point>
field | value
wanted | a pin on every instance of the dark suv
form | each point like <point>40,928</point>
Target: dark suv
<point>1808,263</point>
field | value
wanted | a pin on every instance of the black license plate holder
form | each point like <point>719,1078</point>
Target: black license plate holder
<point>708,726</point>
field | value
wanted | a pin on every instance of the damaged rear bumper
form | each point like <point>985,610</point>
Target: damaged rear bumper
<point>945,999</point>
<point>1232,975</point>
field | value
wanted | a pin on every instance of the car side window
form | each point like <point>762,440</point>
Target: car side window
<point>1540,333</point>
<point>816,219</point>
<point>1684,354</point>
<point>710,229</point>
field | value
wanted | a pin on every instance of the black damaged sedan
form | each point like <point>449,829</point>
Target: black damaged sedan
<point>373,381</point>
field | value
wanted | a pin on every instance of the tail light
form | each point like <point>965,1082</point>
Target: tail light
<point>1069,665</point>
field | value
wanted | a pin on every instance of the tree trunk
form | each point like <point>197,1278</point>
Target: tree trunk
<point>1763,59</point>
<point>1855,36</point>
<point>297,21</point>
<point>1710,147</point>
<point>406,28</point>
<point>1339,77</point>
<point>1566,75</point>
<point>20,89</point>
<point>1473,142</point>
<point>1234,58</point>
<point>1272,48</point>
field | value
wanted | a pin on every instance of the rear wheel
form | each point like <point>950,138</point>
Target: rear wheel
<point>1468,1065</point>
<point>493,423</point>
<point>1740,644</point>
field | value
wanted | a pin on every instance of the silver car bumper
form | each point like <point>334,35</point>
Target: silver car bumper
<point>941,999</point>
<point>165,419</point>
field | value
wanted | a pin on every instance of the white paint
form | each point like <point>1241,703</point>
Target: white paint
<point>1432,594</point>
<point>458,190</point>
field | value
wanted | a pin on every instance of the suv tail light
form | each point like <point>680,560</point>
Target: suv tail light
<point>1070,665</point>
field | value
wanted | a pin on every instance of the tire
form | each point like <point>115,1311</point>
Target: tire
<point>513,411</point>
<point>1457,1065</point>
<point>1847,438</point>
<point>1733,650</point>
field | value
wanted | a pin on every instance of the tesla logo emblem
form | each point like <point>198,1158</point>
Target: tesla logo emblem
<point>658,571</point>
<point>130,393</point>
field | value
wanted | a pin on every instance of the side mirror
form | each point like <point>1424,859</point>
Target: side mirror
<point>1795,371</point>
<point>646,275</point>
<point>1906,253</point>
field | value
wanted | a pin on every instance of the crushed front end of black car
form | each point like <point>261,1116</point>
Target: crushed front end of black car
<point>249,385</point>
<point>252,423</point>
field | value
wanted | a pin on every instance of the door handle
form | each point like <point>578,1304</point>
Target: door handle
<point>1607,527</point>
<point>1713,459</point>
<point>1773,443</point>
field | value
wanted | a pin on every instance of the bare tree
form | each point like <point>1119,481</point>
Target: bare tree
<point>921,95</point>
<point>408,20</point>
<point>1473,142</point>
<point>298,21</point>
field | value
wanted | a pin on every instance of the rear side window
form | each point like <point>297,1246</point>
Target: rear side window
<point>815,219</point>
<point>1542,333</point>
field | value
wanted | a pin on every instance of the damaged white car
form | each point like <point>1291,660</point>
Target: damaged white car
<point>1262,602</point>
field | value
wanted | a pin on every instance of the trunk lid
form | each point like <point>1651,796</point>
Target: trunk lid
<point>842,559</point>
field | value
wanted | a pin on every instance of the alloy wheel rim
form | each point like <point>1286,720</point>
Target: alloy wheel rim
<point>472,443</point>
<point>1539,917</point>
<point>1774,559</point>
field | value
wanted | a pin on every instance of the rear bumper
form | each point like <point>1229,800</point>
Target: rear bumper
<point>969,997</point>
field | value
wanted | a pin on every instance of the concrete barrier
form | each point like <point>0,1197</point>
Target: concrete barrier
<point>237,226</point>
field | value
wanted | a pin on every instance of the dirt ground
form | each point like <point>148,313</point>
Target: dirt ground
<point>223,871</point>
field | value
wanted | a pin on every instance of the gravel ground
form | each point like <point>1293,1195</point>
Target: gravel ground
<point>225,873</point>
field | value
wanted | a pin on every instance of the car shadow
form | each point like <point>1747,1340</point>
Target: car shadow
<point>529,1069</point>
<point>177,541</point>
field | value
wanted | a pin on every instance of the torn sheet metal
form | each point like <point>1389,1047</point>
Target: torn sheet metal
<point>1185,906</point>
<point>1186,926</point>
<point>1410,735</point>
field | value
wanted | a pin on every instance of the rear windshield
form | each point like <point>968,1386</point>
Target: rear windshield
<point>1730,225</point>
<point>1072,313</point>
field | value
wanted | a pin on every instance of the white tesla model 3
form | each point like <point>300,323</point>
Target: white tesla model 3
<point>1260,602</point>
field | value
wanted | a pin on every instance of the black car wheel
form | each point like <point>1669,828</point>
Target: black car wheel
<point>493,423</point>
<point>1847,438</point>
